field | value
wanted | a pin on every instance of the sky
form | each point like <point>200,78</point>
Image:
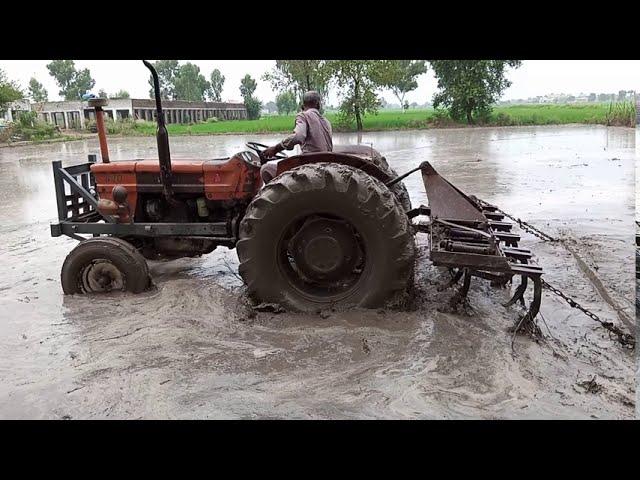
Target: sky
<point>533,78</point>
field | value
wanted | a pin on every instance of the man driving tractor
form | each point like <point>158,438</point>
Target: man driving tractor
<point>312,131</point>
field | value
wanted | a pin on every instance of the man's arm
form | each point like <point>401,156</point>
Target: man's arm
<point>296,138</point>
<point>299,133</point>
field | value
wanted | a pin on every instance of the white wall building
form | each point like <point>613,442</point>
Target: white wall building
<point>14,108</point>
<point>74,114</point>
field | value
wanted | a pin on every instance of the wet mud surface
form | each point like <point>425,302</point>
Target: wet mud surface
<point>192,348</point>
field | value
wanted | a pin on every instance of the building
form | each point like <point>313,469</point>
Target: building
<point>14,108</point>
<point>74,113</point>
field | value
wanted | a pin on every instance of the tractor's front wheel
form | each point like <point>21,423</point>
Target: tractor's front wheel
<point>104,264</point>
<point>326,235</point>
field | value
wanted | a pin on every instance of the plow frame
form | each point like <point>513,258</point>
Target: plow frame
<point>471,238</point>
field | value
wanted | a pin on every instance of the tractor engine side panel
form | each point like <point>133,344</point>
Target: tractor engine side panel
<point>107,177</point>
<point>235,179</point>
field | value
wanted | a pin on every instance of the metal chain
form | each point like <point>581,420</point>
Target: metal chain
<point>530,228</point>
<point>527,227</point>
<point>625,339</point>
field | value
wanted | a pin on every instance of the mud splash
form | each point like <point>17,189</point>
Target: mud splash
<point>191,348</point>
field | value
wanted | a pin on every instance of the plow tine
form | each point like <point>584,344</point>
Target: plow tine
<point>519,293</point>
<point>534,308</point>
<point>455,279</point>
<point>527,321</point>
<point>461,294</point>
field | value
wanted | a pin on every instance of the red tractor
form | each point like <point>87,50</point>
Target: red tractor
<point>331,229</point>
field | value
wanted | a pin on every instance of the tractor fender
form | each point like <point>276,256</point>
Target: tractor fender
<point>332,157</point>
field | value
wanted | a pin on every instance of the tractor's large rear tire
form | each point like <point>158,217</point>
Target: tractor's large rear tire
<point>401,192</point>
<point>104,264</point>
<point>324,235</point>
<point>375,157</point>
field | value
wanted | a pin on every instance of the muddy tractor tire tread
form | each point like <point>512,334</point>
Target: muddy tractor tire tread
<point>330,189</point>
<point>124,256</point>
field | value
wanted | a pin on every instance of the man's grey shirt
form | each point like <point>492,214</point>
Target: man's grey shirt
<point>312,132</point>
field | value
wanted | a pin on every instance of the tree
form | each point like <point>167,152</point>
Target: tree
<point>253,106</point>
<point>470,87</point>
<point>73,83</point>
<point>592,97</point>
<point>167,70</point>
<point>300,76</point>
<point>102,93</point>
<point>37,92</point>
<point>247,86</point>
<point>271,107</point>
<point>190,84</point>
<point>217,83</point>
<point>358,80</point>
<point>399,76</point>
<point>286,102</point>
<point>9,91</point>
<point>120,94</point>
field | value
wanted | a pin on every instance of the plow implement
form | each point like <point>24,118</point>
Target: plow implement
<point>471,238</point>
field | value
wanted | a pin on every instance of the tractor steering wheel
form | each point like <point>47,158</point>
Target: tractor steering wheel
<point>259,148</point>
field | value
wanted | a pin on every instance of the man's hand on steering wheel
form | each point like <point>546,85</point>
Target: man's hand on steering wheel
<point>265,153</point>
<point>271,152</point>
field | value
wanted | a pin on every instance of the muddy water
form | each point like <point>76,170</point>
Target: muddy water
<point>192,348</point>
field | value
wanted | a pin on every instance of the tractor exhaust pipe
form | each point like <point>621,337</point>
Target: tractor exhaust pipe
<point>162,137</point>
<point>97,104</point>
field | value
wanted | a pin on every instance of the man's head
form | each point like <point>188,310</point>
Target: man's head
<point>311,99</point>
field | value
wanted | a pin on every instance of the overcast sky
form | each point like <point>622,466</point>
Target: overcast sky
<point>534,77</point>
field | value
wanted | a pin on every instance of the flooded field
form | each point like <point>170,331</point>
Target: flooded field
<point>191,348</point>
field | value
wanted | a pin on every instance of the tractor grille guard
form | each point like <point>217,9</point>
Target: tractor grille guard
<point>470,236</point>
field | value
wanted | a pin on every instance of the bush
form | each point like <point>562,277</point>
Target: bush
<point>27,119</point>
<point>6,132</point>
<point>28,127</point>
<point>253,106</point>
<point>125,126</point>
<point>441,118</point>
<point>503,120</point>
<point>90,126</point>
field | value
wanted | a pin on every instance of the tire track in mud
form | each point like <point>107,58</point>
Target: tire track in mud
<point>601,289</point>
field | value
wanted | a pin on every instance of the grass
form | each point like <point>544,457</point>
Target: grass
<point>622,113</point>
<point>508,115</point>
<point>550,114</point>
<point>385,120</point>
